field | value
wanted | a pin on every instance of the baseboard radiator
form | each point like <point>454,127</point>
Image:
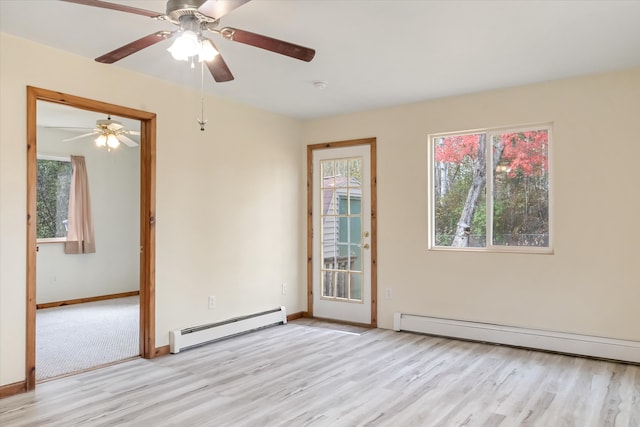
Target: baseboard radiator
<point>182,339</point>
<point>584,345</point>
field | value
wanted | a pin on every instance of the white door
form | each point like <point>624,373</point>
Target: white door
<point>341,262</point>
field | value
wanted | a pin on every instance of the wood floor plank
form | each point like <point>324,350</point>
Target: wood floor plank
<point>300,375</point>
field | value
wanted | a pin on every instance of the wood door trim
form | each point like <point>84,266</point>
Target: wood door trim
<point>13,388</point>
<point>371,142</point>
<point>147,216</point>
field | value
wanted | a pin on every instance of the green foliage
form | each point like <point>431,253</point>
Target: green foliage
<point>521,209</point>
<point>448,210</point>
<point>479,223</point>
<point>52,203</point>
<point>344,167</point>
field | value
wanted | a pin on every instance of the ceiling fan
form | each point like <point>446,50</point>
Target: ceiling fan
<point>110,134</point>
<point>194,17</point>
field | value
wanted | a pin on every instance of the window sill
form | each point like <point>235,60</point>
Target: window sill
<point>51,240</point>
<point>497,249</point>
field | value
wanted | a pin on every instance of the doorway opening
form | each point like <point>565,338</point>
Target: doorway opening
<point>145,216</point>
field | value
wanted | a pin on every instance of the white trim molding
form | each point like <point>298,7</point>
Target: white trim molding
<point>583,345</point>
<point>55,157</point>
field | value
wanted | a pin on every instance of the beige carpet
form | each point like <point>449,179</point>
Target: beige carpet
<point>81,336</point>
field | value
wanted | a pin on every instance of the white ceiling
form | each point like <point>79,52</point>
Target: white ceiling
<point>372,53</point>
<point>70,119</point>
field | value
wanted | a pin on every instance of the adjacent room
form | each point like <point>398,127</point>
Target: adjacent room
<point>343,213</point>
<point>87,300</point>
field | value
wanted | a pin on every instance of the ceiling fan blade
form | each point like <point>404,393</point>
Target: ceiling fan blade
<point>80,136</point>
<point>274,45</point>
<point>218,68</point>
<point>119,7</point>
<point>126,140</point>
<point>218,8</point>
<point>133,132</point>
<point>133,47</point>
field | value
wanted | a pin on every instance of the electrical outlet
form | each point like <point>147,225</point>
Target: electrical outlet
<point>284,288</point>
<point>212,302</point>
<point>387,293</point>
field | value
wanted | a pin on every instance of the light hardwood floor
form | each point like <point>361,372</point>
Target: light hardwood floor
<point>300,375</point>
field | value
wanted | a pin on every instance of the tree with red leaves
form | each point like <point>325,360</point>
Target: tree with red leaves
<point>519,167</point>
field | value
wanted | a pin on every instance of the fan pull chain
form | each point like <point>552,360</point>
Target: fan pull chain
<point>201,120</point>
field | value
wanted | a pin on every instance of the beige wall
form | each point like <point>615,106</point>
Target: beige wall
<point>231,203</point>
<point>591,285</point>
<point>228,199</point>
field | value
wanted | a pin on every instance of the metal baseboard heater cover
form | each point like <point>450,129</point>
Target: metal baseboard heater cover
<point>561,342</point>
<point>182,339</point>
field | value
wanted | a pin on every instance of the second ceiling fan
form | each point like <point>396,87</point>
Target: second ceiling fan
<point>110,133</point>
<point>194,17</point>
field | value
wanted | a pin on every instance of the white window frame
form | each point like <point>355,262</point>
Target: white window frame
<point>57,158</point>
<point>490,132</point>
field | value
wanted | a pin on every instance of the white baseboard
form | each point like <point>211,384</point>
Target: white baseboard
<point>585,345</point>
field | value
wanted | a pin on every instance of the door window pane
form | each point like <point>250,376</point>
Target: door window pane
<point>342,284</point>
<point>327,173</point>
<point>327,283</point>
<point>343,202</point>
<point>356,286</point>
<point>342,173</point>
<point>355,206</point>
<point>355,257</point>
<point>341,228</point>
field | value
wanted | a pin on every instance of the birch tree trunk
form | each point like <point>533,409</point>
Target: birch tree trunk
<point>478,182</point>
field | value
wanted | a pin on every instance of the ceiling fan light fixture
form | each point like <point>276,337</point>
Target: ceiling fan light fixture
<point>185,46</point>
<point>112,141</point>
<point>207,51</point>
<point>101,140</point>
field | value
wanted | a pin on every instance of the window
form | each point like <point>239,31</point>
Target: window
<point>341,232</point>
<point>53,185</point>
<point>490,190</point>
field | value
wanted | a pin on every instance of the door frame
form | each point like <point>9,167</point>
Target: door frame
<point>147,216</point>
<point>371,142</point>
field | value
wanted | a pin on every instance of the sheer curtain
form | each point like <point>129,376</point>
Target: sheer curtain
<point>80,238</point>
